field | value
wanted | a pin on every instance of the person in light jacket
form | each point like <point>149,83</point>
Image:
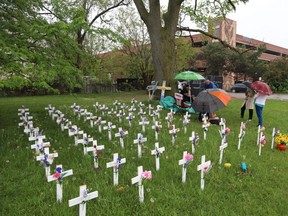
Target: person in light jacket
<point>248,103</point>
<point>259,102</point>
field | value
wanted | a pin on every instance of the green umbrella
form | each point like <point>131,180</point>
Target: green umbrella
<point>189,75</point>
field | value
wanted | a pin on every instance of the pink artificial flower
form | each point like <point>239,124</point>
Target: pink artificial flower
<point>227,130</point>
<point>147,174</point>
<point>188,157</point>
<point>263,139</point>
<point>56,175</point>
<point>207,168</point>
<point>243,126</point>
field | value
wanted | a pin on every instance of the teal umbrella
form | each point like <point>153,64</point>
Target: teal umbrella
<point>189,75</point>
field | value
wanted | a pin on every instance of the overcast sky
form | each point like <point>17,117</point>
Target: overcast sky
<point>264,20</point>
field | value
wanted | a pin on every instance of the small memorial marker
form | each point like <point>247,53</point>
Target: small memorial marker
<point>109,128</point>
<point>204,167</point>
<point>173,132</point>
<point>194,139</point>
<point>143,122</point>
<point>157,151</point>
<point>82,199</point>
<point>156,127</point>
<point>95,148</point>
<point>116,164</point>
<point>47,159</point>
<point>184,162</point>
<point>138,179</point>
<point>59,175</point>
<point>241,134</point>
<point>121,135</point>
<point>140,139</point>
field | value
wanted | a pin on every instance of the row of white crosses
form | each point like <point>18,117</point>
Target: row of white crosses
<point>26,120</point>
<point>73,130</point>
<point>47,158</point>
<point>60,174</point>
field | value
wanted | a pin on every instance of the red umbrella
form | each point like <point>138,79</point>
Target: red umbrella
<point>261,88</point>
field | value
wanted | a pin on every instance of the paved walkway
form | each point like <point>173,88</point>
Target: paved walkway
<point>272,97</point>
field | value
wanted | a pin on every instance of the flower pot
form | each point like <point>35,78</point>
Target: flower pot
<point>281,147</point>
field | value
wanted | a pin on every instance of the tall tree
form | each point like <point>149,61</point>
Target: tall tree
<point>162,27</point>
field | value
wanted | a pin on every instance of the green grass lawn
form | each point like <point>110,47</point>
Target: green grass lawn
<point>228,191</point>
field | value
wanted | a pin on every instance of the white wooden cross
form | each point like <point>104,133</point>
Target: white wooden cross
<point>120,115</point>
<point>274,133</point>
<point>75,131</point>
<point>103,108</point>
<point>82,199</point>
<point>241,134</point>
<point>156,127</point>
<point>159,108</point>
<point>221,148</point>
<point>84,141</point>
<point>121,135</point>
<point>28,126</point>
<point>129,118</point>
<point>169,118</point>
<point>157,151</point>
<point>40,144</point>
<point>94,149</point>
<point>116,164</point>
<point>150,108</point>
<point>109,128</point>
<point>138,179</point>
<point>26,117</point>
<point>204,168</point>
<point>173,132</point>
<point>186,121</point>
<point>258,134</point>
<point>100,122</point>
<point>140,139</point>
<point>59,117</point>
<point>96,106</point>
<point>163,88</point>
<point>59,175</point>
<point>47,159</point>
<point>143,122</point>
<point>260,144</point>
<point>183,162</point>
<point>141,112</point>
<point>193,139</point>
<point>116,104</point>
<point>64,124</point>
<point>22,110</point>
<point>91,118</point>
<point>205,125</point>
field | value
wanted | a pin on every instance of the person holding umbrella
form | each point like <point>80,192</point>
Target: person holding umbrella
<point>263,90</point>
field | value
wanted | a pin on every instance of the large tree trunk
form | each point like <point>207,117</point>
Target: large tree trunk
<point>162,36</point>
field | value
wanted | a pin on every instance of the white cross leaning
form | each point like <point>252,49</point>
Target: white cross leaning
<point>157,151</point>
<point>138,179</point>
<point>156,127</point>
<point>143,122</point>
<point>140,139</point>
<point>84,196</point>
<point>221,149</point>
<point>241,135</point>
<point>116,163</point>
<point>109,128</point>
<point>59,175</point>
<point>173,132</point>
<point>203,167</point>
<point>121,135</point>
<point>47,159</point>
<point>94,149</point>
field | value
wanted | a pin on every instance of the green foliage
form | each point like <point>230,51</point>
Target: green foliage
<point>277,75</point>
<point>228,191</point>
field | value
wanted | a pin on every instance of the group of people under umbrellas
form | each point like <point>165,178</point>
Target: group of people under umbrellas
<point>213,98</point>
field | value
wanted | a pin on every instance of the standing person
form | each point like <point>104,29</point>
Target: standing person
<point>209,84</point>
<point>259,101</point>
<point>248,103</point>
<point>186,92</point>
